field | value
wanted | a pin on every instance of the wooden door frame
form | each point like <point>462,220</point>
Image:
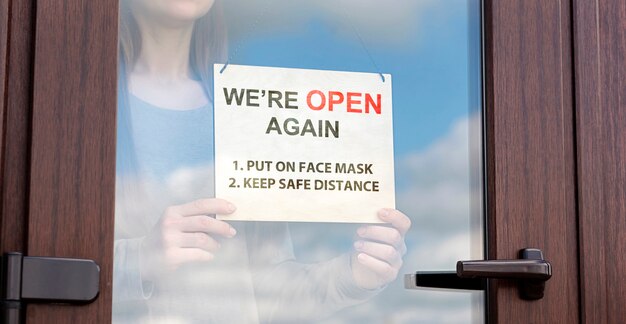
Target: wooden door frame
<point>58,146</point>
<point>72,151</point>
<point>531,178</point>
<point>16,59</point>
<point>600,80</point>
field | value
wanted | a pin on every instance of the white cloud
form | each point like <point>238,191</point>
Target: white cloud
<point>442,255</point>
<point>437,190</point>
<point>436,195</point>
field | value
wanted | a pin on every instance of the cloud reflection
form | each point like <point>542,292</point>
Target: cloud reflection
<point>435,192</point>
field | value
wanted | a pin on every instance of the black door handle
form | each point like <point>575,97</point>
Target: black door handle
<point>531,271</point>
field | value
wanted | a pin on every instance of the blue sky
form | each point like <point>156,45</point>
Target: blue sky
<point>429,62</point>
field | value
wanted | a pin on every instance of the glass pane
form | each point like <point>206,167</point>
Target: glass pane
<point>175,263</point>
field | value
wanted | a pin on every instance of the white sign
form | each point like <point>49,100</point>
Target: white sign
<point>303,145</point>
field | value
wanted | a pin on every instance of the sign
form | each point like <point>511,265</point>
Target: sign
<point>303,145</point>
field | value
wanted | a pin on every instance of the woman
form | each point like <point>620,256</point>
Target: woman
<point>173,260</point>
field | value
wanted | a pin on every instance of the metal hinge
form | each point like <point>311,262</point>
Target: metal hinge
<point>27,279</point>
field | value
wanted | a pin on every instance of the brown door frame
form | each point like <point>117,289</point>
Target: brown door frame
<point>16,66</point>
<point>530,153</point>
<point>58,146</point>
<point>600,65</point>
<point>72,151</point>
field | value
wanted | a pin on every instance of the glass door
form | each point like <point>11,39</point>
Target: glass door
<point>176,262</point>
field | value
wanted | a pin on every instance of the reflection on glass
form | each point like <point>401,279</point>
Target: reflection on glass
<point>175,263</point>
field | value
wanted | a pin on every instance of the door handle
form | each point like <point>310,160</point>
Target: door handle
<point>531,272</point>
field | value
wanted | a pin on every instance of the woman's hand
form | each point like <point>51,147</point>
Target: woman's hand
<point>379,250</point>
<point>185,233</point>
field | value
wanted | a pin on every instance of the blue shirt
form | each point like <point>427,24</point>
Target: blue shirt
<point>167,140</point>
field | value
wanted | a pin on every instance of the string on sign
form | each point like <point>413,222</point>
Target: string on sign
<point>348,19</point>
<point>252,27</point>
<point>363,45</point>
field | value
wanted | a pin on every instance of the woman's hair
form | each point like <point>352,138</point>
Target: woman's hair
<point>208,46</point>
